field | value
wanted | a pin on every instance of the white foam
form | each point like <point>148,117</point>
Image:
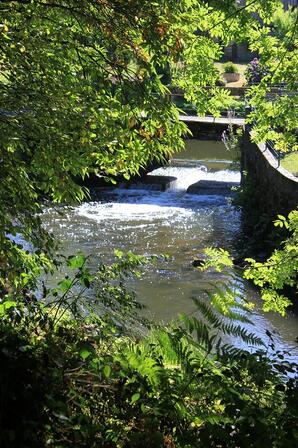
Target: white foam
<point>187,176</point>
<point>151,206</point>
<point>131,211</point>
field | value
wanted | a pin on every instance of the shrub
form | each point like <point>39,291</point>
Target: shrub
<point>77,379</point>
<point>229,67</point>
<point>254,72</point>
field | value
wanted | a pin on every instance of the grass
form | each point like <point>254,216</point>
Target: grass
<point>290,163</point>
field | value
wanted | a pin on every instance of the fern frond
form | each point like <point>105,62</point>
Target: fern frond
<point>231,351</point>
<point>208,313</point>
<point>233,315</point>
<point>242,333</point>
<point>138,358</point>
<point>201,330</point>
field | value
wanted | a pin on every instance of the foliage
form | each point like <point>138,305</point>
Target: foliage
<point>82,88</point>
<point>282,21</point>
<point>229,67</point>
<point>79,90</point>
<point>44,345</point>
<point>219,259</point>
<point>273,114</point>
<point>279,270</point>
<point>70,379</point>
<point>280,105</point>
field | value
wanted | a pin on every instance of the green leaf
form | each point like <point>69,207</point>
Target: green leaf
<point>107,371</point>
<point>118,253</point>
<point>76,261</point>
<point>135,398</point>
<point>85,353</point>
<point>7,305</point>
<point>65,284</point>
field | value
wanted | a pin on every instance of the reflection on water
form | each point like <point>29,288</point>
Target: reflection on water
<point>172,222</point>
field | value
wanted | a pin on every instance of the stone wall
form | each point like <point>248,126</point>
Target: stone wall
<point>273,189</point>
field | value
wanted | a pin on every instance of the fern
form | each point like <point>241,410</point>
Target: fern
<point>208,313</point>
<point>222,316</point>
<point>233,315</point>
<point>138,358</point>
<point>198,326</point>
<point>240,332</point>
<point>179,348</point>
<point>230,351</point>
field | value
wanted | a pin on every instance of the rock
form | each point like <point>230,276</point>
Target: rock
<point>151,182</point>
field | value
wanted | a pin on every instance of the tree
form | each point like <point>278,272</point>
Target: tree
<point>274,113</point>
<point>80,91</point>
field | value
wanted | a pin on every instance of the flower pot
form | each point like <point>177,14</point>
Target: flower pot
<point>231,77</point>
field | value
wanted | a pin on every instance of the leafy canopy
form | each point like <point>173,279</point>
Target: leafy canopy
<point>83,88</point>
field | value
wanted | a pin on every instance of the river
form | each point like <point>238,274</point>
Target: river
<point>174,222</point>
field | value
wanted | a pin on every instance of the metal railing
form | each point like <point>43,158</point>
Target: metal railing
<point>277,154</point>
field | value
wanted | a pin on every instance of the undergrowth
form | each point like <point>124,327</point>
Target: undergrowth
<point>82,368</point>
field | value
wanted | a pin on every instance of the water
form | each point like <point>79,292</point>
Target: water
<point>174,223</point>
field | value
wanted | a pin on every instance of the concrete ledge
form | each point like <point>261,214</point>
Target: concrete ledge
<point>209,119</point>
<point>150,182</point>
<point>211,187</point>
<point>208,128</point>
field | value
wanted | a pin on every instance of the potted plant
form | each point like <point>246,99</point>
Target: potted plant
<point>231,73</point>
